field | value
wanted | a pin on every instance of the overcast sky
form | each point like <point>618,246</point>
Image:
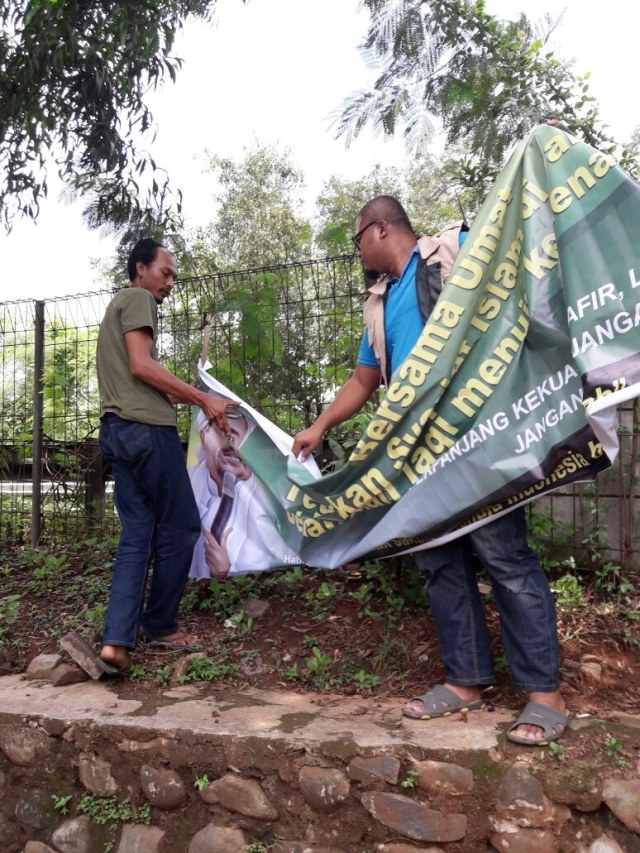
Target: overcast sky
<point>275,71</point>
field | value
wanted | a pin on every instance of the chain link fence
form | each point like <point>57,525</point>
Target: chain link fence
<point>284,339</point>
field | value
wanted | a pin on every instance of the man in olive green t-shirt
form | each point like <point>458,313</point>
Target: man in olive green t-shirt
<point>138,436</point>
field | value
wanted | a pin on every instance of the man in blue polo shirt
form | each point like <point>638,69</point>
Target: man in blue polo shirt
<point>395,314</point>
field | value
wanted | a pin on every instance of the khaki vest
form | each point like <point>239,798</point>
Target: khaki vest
<point>437,254</point>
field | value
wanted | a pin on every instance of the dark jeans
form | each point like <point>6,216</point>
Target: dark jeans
<point>522,596</point>
<point>159,518</point>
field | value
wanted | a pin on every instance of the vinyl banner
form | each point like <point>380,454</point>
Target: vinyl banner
<point>511,390</point>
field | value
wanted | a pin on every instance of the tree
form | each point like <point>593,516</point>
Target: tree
<point>489,82</point>
<point>259,221</point>
<point>74,75</point>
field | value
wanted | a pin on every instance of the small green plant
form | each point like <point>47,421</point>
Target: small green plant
<point>316,666</point>
<point>95,617</point>
<point>61,803</point>
<point>612,747</point>
<point>556,750</point>
<point>104,810</point>
<point>610,581</point>
<point>137,672</point>
<point>568,592</point>
<point>207,669</point>
<point>201,783</point>
<point>9,607</point>
<point>256,847</point>
<point>411,779</point>
<point>163,675</point>
<point>291,673</point>
<point>365,680</point>
<point>500,663</point>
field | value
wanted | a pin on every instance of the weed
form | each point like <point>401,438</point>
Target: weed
<point>291,673</point>
<point>365,681</point>
<point>61,804</point>
<point>103,810</point>
<point>95,617</point>
<point>317,666</point>
<point>411,779</point>
<point>256,847</point>
<point>500,663</point>
<point>612,747</point>
<point>206,669</point>
<point>610,581</point>
<point>201,783</point>
<point>9,607</point>
<point>568,592</point>
<point>137,672</point>
<point>163,675</point>
<point>556,751</point>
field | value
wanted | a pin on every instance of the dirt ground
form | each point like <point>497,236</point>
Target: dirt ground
<point>361,629</point>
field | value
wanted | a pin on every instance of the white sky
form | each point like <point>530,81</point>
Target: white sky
<point>274,71</point>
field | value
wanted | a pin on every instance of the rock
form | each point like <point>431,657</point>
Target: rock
<point>163,788</point>
<point>24,745</point>
<point>520,788</point>
<point>81,652</point>
<point>591,670</point>
<point>604,844</point>
<point>323,788</point>
<point>136,838</point>
<point>436,776</point>
<point>413,819</point>
<point>623,798</point>
<point>3,779</point>
<point>73,836</point>
<point>42,666</point>
<point>244,796</point>
<point>521,799</point>
<point>407,848</point>
<point>381,767</point>
<point>524,841</point>
<point>95,775</point>
<point>9,834</point>
<point>218,839</point>
<point>37,847</point>
<point>35,809</point>
<point>254,607</point>
<point>5,661</point>
<point>66,673</point>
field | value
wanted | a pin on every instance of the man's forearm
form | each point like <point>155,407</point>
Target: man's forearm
<point>348,401</point>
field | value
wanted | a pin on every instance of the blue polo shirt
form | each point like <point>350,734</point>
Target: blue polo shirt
<point>403,323</point>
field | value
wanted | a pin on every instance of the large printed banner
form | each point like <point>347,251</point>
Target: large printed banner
<point>509,393</point>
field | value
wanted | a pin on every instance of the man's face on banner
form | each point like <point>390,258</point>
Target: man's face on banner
<point>221,453</point>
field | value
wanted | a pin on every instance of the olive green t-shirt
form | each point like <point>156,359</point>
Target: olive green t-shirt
<point>120,391</point>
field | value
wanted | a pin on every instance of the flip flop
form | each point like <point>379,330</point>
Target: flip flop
<point>179,641</point>
<point>443,703</point>
<point>552,722</point>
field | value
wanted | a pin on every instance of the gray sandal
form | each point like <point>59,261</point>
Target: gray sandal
<point>552,722</point>
<point>441,702</point>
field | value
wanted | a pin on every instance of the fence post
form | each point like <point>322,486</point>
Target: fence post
<point>36,468</point>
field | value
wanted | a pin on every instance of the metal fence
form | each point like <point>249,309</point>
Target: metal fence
<point>284,339</point>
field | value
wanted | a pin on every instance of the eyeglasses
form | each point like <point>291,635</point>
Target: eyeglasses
<point>357,238</point>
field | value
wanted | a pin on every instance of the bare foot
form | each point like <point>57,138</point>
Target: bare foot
<point>117,656</point>
<point>467,694</point>
<point>550,700</point>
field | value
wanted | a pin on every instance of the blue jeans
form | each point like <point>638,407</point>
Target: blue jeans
<point>522,596</point>
<point>159,518</point>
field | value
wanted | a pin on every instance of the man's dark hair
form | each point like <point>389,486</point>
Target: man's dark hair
<point>388,208</point>
<point>145,250</point>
